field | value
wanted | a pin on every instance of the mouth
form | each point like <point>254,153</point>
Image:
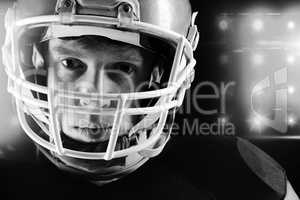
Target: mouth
<point>95,142</point>
<point>85,135</point>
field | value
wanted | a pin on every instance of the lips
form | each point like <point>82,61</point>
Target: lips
<point>90,129</point>
<point>86,144</point>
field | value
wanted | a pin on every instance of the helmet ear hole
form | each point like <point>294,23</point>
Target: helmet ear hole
<point>125,7</point>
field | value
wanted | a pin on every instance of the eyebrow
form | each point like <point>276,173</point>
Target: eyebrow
<point>130,54</point>
<point>66,50</point>
<point>122,53</point>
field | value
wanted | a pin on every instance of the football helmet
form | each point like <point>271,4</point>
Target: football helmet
<point>163,26</point>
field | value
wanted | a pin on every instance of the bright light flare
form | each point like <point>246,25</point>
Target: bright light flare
<point>257,123</point>
<point>258,59</point>
<point>224,24</point>
<point>291,25</point>
<point>223,120</point>
<point>291,89</point>
<point>292,121</point>
<point>258,25</point>
<point>291,59</point>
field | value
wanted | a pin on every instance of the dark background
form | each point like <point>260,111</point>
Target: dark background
<point>212,44</point>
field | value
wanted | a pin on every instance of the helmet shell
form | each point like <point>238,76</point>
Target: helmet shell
<point>173,15</point>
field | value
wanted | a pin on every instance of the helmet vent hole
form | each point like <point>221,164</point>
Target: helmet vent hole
<point>68,3</point>
<point>126,8</point>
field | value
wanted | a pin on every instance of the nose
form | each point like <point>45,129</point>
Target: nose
<point>95,81</point>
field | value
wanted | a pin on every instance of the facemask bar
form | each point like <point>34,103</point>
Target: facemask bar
<point>171,97</point>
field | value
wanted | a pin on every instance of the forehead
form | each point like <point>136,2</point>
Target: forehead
<point>80,46</point>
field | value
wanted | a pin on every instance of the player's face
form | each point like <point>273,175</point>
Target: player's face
<point>103,68</point>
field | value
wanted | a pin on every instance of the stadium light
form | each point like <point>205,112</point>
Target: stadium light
<point>223,24</point>
<point>291,25</point>
<point>258,25</point>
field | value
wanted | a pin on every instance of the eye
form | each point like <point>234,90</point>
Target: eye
<point>73,64</point>
<point>127,68</point>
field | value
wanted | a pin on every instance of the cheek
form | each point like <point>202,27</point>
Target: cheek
<point>122,83</point>
<point>61,74</point>
<point>56,73</point>
<point>64,75</point>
